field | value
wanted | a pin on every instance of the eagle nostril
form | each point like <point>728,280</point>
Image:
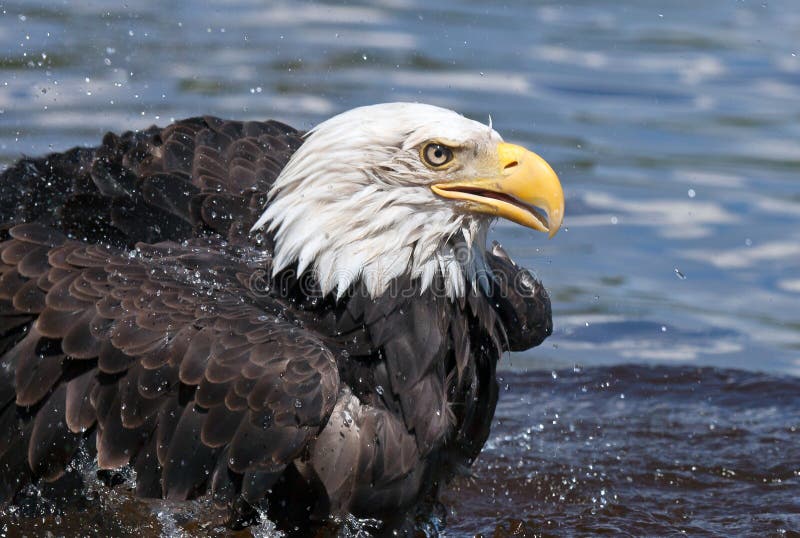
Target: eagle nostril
<point>512,164</point>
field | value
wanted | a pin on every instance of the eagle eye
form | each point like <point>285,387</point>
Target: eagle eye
<point>436,155</point>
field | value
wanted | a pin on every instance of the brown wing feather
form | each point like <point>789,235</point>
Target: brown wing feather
<point>87,301</point>
<point>148,356</point>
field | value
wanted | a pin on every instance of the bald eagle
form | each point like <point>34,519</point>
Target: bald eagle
<point>304,321</point>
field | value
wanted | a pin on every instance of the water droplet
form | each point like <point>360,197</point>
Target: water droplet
<point>379,390</point>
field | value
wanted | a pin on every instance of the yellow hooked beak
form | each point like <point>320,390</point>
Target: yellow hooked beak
<point>524,183</point>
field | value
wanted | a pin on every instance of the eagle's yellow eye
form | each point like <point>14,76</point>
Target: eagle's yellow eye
<point>436,155</point>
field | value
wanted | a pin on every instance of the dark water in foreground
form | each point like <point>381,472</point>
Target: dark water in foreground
<point>675,127</point>
<point>640,451</point>
<point>622,451</point>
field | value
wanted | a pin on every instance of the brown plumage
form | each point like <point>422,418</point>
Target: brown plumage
<point>138,313</point>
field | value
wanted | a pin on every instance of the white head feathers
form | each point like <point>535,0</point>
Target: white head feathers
<point>354,202</point>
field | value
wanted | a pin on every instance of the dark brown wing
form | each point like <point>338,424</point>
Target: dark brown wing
<point>194,177</point>
<point>164,354</point>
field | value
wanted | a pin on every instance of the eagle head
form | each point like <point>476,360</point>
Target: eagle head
<point>403,189</point>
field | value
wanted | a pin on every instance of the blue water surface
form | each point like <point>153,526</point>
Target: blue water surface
<point>675,127</point>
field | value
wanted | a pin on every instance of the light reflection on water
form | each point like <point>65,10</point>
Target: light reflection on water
<point>674,127</point>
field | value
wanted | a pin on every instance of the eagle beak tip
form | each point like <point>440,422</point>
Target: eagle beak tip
<point>554,224</point>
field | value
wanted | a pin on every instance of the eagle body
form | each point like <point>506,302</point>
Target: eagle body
<point>151,315</point>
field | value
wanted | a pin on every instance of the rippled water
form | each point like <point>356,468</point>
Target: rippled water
<point>675,127</point>
<point>640,451</point>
